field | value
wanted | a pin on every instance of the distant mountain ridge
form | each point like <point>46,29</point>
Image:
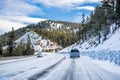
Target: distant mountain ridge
<point>50,27</point>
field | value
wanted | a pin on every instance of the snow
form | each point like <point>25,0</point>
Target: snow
<point>14,60</point>
<point>83,68</point>
<point>100,62</point>
<point>37,42</point>
<point>56,26</point>
<point>111,56</point>
<point>65,50</point>
<point>108,66</point>
<point>109,50</point>
<point>23,69</point>
<point>112,44</point>
<point>106,54</point>
<point>58,72</point>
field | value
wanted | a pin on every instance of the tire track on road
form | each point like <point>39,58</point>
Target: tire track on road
<point>85,70</point>
<point>46,71</point>
<point>70,72</point>
<point>99,76</point>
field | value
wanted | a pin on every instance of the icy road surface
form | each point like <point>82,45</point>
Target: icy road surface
<point>54,67</point>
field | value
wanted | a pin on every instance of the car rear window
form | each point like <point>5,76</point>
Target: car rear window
<point>74,51</point>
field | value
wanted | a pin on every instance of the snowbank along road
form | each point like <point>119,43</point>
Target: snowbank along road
<point>54,67</point>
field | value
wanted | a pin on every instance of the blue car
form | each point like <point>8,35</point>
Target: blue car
<point>74,53</point>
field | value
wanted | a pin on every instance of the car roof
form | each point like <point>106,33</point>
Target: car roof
<point>74,50</point>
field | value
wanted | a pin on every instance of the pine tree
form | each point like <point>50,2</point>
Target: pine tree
<point>109,8</point>
<point>29,48</point>
<point>1,51</point>
<point>118,11</point>
<point>13,34</point>
<point>99,25</point>
<point>19,50</point>
<point>11,44</point>
<point>83,25</point>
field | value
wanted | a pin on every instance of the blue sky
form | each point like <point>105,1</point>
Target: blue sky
<point>19,13</point>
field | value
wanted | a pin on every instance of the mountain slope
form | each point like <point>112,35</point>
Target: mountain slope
<point>112,44</point>
<point>56,31</point>
<point>39,44</point>
<point>107,50</point>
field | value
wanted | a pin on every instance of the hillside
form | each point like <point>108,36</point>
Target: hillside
<point>56,31</point>
<point>39,43</point>
<point>107,50</point>
<point>111,43</point>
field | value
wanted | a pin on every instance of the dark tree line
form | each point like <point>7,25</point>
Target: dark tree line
<point>62,37</point>
<point>100,21</point>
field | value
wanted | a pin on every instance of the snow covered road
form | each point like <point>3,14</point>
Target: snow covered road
<point>80,69</point>
<point>55,67</point>
<point>23,69</point>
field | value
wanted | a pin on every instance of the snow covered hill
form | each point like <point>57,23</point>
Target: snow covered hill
<point>39,43</point>
<point>111,43</point>
<point>107,50</point>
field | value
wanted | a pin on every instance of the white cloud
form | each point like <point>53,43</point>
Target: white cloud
<point>65,3</point>
<point>90,8</point>
<point>6,25</point>
<point>22,19</point>
<point>18,7</point>
<point>7,22</point>
<point>15,13</point>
